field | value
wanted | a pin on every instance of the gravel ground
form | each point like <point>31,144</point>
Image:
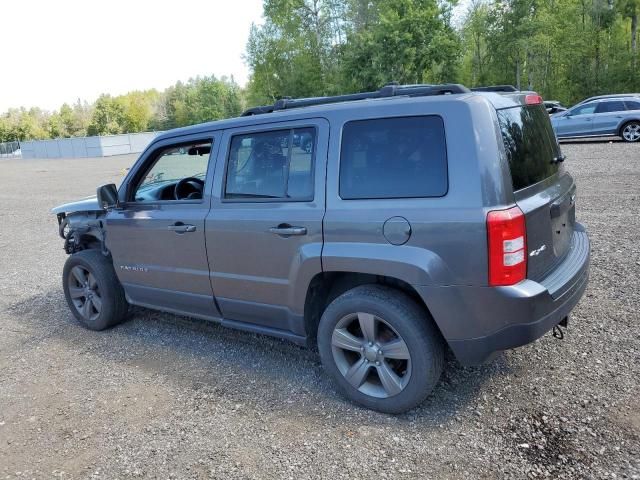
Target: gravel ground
<point>166,397</point>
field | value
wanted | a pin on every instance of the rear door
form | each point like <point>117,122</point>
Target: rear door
<point>576,122</point>
<point>607,118</point>
<point>264,230</point>
<point>543,190</point>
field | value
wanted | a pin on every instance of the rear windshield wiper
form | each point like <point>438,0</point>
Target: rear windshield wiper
<point>559,159</point>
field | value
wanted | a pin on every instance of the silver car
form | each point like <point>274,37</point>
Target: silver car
<point>599,118</point>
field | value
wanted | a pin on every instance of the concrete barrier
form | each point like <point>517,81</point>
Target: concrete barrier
<point>81,147</point>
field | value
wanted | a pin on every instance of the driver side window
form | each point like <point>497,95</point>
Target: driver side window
<point>177,173</point>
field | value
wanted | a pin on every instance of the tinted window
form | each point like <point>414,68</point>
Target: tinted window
<point>530,144</point>
<point>610,107</point>
<point>275,164</point>
<point>632,105</point>
<point>393,158</point>
<point>584,109</point>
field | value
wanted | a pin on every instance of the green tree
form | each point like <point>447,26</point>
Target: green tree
<point>108,116</point>
<point>295,52</point>
<point>409,41</point>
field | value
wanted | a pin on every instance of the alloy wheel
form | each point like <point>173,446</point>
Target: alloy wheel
<point>371,355</point>
<point>85,293</point>
<point>631,133</point>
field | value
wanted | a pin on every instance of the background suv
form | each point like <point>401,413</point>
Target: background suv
<point>617,116</point>
<point>365,225</point>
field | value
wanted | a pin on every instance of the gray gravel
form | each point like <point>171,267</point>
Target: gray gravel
<point>168,397</point>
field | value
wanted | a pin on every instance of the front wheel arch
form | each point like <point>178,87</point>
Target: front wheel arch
<point>103,285</point>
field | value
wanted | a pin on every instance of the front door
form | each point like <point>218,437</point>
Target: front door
<point>157,237</point>
<point>264,230</point>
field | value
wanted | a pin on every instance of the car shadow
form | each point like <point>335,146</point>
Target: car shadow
<point>233,366</point>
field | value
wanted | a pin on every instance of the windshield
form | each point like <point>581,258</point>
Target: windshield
<point>531,145</point>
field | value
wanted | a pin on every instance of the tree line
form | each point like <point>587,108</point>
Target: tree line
<point>199,100</point>
<point>564,49</point>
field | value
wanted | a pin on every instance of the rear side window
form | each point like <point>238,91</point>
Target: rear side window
<point>530,144</point>
<point>275,164</point>
<point>632,105</point>
<point>401,157</point>
<point>610,107</point>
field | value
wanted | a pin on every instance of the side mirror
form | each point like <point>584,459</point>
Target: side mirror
<point>108,196</point>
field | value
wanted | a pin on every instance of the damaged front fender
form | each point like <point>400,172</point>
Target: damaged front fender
<point>81,225</point>
<point>88,204</point>
<point>82,230</point>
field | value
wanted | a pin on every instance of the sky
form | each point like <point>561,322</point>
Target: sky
<point>56,51</point>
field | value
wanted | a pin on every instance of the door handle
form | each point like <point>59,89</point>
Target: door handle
<point>286,230</point>
<point>180,227</point>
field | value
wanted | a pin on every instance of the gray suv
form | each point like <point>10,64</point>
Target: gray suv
<point>381,227</point>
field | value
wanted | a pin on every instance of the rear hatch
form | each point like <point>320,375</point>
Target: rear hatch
<point>543,191</point>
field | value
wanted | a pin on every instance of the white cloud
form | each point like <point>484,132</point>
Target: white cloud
<point>58,51</point>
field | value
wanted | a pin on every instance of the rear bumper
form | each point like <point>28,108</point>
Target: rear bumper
<point>478,322</point>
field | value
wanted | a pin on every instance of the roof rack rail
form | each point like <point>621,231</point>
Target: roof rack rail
<point>495,88</point>
<point>389,90</point>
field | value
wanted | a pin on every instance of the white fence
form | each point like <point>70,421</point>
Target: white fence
<point>87,146</point>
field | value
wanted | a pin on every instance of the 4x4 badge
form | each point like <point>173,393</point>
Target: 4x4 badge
<point>537,251</point>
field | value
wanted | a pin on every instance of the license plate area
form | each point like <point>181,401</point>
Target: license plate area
<point>563,219</point>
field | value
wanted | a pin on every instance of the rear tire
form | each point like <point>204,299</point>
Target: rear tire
<point>93,292</point>
<point>630,132</point>
<point>382,349</point>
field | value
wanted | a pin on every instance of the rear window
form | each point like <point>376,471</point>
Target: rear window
<point>530,144</point>
<point>400,157</point>
<point>611,107</point>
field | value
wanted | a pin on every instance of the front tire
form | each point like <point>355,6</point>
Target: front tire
<point>630,132</point>
<point>93,292</point>
<point>382,349</point>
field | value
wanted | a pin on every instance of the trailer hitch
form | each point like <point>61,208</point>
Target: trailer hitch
<point>557,330</point>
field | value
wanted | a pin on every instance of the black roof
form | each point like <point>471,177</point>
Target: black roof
<point>286,108</point>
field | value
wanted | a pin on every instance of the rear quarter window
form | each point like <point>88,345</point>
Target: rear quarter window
<point>610,107</point>
<point>530,144</point>
<point>403,157</point>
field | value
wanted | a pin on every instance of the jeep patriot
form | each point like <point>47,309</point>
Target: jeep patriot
<point>381,227</point>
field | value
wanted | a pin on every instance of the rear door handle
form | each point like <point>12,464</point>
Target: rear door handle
<point>180,227</point>
<point>286,231</point>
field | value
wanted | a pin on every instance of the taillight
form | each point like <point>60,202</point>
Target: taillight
<point>507,237</point>
<point>533,99</point>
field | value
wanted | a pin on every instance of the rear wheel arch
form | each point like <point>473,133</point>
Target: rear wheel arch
<point>624,125</point>
<point>327,286</point>
<point>374,341</point>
